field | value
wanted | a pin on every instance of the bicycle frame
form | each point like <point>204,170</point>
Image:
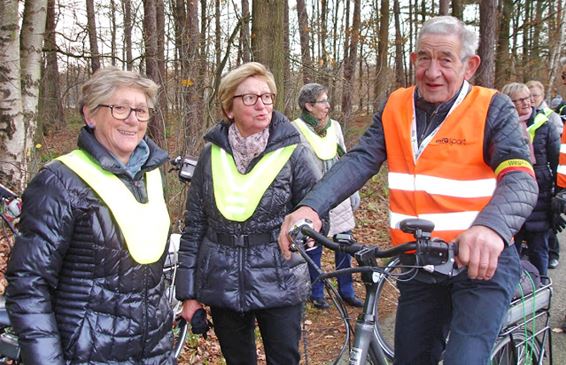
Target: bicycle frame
<point>366,343</point>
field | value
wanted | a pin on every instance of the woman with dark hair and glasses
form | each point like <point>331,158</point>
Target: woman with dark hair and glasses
<point>545,140</point>
<point>252,172</point>
<point>324,136</point>
<point>85,276</point>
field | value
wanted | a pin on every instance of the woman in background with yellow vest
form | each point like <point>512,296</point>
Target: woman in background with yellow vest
<point>252,172</point>
<point>85,276</point>
<point>545,139</point>
<point>324,137</point>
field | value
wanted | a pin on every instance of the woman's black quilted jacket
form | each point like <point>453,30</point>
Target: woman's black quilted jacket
<point>75,295</point>
<point>245,278</point>
<point>546,146</point>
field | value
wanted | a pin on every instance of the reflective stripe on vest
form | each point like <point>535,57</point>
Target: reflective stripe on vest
<point>449,183</point>
<point>237,195</point>
<point>561,172</point>
<point>144,226</point>
<point>324,147</point>
<point>540,119</point>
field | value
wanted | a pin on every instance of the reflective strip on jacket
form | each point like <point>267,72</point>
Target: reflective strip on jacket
<point>447,181</point>
<point>325,147</point>
<point>561,172</point>
<point>237,195</point>
<point>145,226</point>
<point>540,119</point>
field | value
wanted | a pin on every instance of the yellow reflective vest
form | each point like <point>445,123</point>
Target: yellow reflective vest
<point>325,147</point>
<point>237,195</point>
<point>145,226</point>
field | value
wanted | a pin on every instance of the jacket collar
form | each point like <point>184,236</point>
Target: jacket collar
<point>90,144</point>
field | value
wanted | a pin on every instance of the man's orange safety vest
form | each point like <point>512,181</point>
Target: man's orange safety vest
<point>448,181</point>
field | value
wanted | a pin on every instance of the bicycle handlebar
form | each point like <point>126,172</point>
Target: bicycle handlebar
<point>434,255</point>
<point>185,167</point>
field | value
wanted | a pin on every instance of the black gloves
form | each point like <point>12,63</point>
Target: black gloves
<point>558,207</point>
<point>199,323</point>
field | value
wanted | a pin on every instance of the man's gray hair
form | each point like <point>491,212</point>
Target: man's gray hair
<point>309,93</point>
<point>449,25</point>
<point>563,61</point>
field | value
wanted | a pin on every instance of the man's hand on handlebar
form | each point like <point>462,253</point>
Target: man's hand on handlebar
<point>479,250</point>
<point>299,214</point>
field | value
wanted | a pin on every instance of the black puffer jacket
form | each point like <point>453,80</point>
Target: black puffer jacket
<point>75,295</point>
<point>546,146</point>
<point>245,278</point>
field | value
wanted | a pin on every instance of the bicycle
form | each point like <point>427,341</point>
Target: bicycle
<point>372,341</point>
<point>10,209</point>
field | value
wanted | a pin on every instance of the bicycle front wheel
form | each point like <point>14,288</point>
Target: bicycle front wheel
<point>519,347</point>
<point>387,298</point>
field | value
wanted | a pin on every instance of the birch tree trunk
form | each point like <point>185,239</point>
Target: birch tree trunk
<point>31,46</point>
<point>12,130</point>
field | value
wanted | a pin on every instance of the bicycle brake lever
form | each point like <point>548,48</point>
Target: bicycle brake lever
<point>449,268</point>
<point>297,235</point>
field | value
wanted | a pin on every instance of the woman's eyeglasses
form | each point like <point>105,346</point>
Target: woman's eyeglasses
<point>122,112</point>
<point>522,100</point>
<point>251,99</point>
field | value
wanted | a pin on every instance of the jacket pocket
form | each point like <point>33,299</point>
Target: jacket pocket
<point>204,266</point>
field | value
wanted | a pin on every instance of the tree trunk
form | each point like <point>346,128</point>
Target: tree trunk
<point>488,23</point>
<point>51,111</point>
<point>12,129</point>
<point>350,64</point>
<point>502,59</point>
<point>31,46</point>
<point>304,36</point>
<point>192,67</point>
<point>92,36</point>
<point>557,37</point>
<point>399,72</point>
<point>268,35</point>
<point>113,31</point>
<point>458,8</point>
<point>127,7</point>
<point>443,7</point>
<point>150,35</point>
<point>244,49</point>
<point>380,88</point>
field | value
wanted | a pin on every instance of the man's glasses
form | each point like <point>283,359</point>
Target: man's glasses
<point>563,76</point>
<point>122,112</point>
<point>522,100</point>
<point>251,99</point>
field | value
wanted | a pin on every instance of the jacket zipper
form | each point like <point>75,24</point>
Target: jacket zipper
<point>145,313</point>
<point>241,276</point>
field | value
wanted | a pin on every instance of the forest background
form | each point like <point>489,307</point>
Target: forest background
<point>358,48</point>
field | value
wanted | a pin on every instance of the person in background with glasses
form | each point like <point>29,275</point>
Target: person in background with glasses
<point>85,275</point>
<point>252,172</point>
<point>324,136</point>
<point>545,140</point>
<point>537,99</point>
